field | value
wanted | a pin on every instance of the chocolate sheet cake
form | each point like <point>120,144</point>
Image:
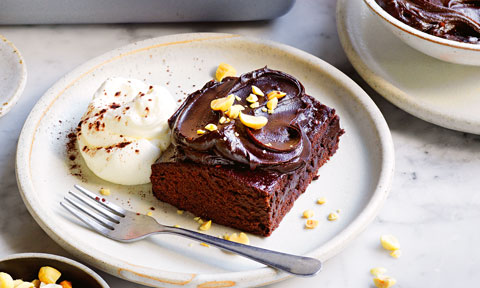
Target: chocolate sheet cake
<point>238,176</point>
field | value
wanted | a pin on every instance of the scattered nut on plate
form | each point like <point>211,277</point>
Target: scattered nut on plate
<point>389,242</point>
<point>308,213</point>
<point>332,216</point>
<point>311,224</point>
<point>206,225</point>
<point>241,238</point>
<point>224,70</point>
<point>382,281</point>
<point>377,271</point>
<point>105,191</point>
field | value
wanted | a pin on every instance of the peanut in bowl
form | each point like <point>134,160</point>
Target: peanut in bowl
<point>32,269</point>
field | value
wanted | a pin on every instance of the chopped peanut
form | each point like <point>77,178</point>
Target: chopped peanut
<point>222,104</point>
<point>21,284</point>
<point>396,253</point>
<point>332,216</point>
<point>308,213</point>
<point>257,91</point>
<point>384,281</point>
<point>234,111</point>
<point>272,103</point>
<point>252,98</point>
<point>241,238</point>
<point>224,70</point>
<point>255,122</point>
<point>66,284</point>
<point>211,127</point>
<point>389,242</point>
<point>377,271</point>
<point>275,94</point>
<point>206,225</point>
<point>6,280</point>
<point>311,224</point>
<point>222,120</point>
<point>48,275</point>
<point>254,105</point>
<point>321,200</point>
<point>104,191</point>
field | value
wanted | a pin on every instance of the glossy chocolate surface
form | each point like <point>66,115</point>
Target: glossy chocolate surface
<point>281,145</point>
<point>457,20</point>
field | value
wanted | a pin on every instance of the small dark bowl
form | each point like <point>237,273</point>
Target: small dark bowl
<point>26,265</point>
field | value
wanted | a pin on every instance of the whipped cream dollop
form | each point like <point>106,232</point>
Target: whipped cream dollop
<point>125,130</point>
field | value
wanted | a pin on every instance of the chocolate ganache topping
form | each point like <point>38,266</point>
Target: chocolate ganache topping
<point>281,145</point>
<point>457,20</point>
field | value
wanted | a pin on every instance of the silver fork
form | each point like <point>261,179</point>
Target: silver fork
<point>122,225</point>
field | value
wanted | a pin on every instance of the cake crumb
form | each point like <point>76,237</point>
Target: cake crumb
<point>149,213</point>
<point>180,212</point>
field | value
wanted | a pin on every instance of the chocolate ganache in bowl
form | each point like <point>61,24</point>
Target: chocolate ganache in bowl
<point>448,30</point>
<point>457,20</point>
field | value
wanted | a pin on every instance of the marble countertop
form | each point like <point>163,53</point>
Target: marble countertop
<point>434,204</point>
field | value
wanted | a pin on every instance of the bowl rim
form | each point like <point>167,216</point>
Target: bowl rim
<point>15,96</point>
<point>375,7</point>
<point>68,261</point>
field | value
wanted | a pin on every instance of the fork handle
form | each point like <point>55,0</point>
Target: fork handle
<point>296,265</point>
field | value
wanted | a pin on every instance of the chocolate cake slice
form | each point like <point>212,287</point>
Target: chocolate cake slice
<point>239,176</point>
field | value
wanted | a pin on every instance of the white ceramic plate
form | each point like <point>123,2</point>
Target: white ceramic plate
<point>356,180</point>
<point>13,75</point>
<point>438,92</point>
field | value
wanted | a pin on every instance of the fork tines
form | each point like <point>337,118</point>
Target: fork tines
<point>96,212</point>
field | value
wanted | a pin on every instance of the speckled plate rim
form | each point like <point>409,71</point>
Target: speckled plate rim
<point>394,94</point>
<point>144,275</point>
<point>12,100</point>
<point>60,259</point>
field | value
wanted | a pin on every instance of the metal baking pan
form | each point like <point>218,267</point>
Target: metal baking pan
<point>137,11</point>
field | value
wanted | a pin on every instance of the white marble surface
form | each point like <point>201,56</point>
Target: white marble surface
<point>434,205</point>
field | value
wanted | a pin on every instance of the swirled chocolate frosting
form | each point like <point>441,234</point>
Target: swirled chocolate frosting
<point>281,145</point>
<point>457,20</point>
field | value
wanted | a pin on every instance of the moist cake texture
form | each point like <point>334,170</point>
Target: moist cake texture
<point>238,176</point>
